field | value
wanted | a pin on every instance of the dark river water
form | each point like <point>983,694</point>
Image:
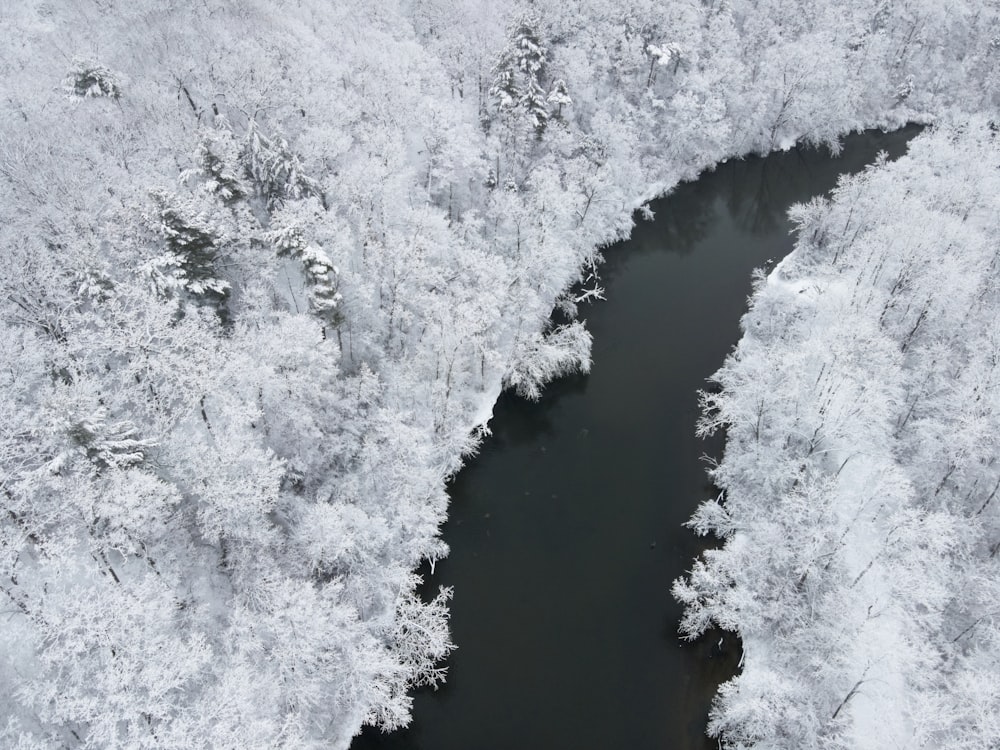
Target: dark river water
<point>566,531</point>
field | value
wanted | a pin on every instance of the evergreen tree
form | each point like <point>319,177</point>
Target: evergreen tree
<point>218,158</point>
<point>559,96</point>
<point>106,444</point>
<point>192,245</point>
<point>88,79</point>
<point>275,170</point>
<point>321,276</point>
<point>516,76</point>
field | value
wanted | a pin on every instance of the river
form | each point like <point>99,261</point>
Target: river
<point>566,531</point>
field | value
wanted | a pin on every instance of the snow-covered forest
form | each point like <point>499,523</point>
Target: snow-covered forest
<point>862,468</point>
<point>269,264</point>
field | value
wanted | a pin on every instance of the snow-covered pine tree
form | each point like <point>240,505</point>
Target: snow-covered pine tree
<point>192,245</point>
<point>517,75</point>
<point>559,96</point>
<point>218,158</point>
<point>105,443</point>
<point>87,79</point>
<point>321,275</point>
<point>535,108</point>
<point>275,170</point>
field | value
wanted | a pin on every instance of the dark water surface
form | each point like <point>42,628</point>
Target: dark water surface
<point>566,531</point>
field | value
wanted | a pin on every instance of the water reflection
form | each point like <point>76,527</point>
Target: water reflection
<point>756,193</point>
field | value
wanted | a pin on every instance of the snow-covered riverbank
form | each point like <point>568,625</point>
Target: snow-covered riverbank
<point>860,477</point>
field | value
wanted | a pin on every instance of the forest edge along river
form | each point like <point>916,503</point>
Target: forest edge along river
<point>567,530</point>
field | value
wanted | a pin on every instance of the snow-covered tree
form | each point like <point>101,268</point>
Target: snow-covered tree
<point>860,464</point>
<point>193,244</point>
<point>519,74</point>
<point>88,79</point>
